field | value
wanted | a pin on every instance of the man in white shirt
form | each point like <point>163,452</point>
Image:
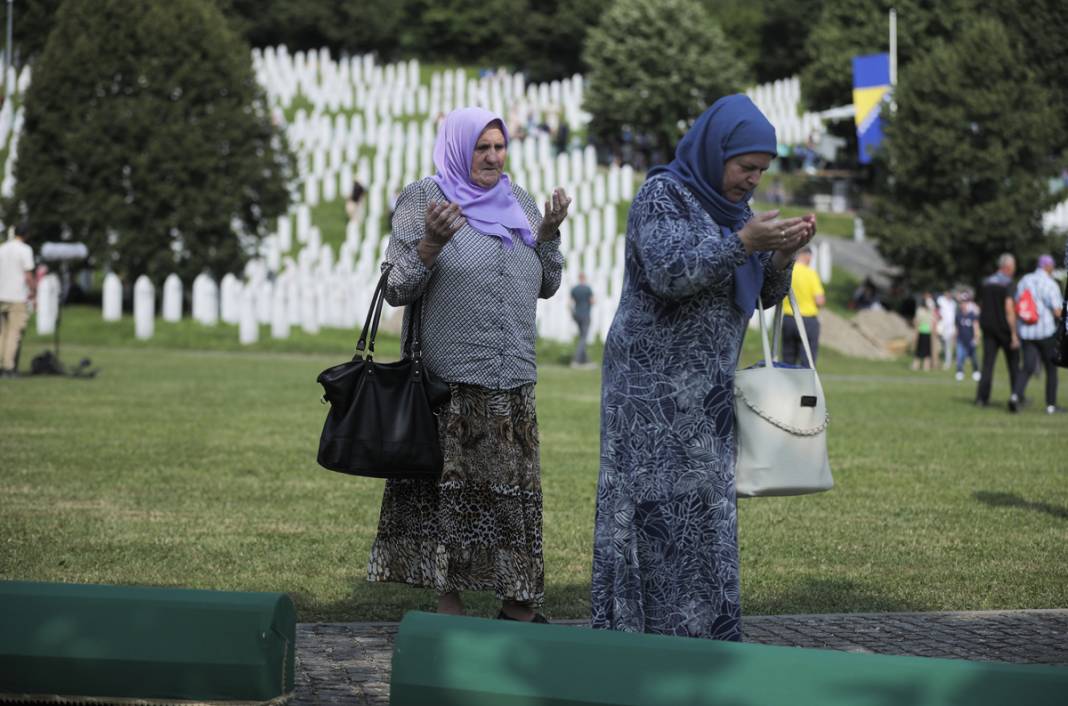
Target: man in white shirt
<point>1039,340</point>
<point>17,288</point>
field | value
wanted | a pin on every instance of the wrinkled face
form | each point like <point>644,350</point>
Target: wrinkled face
<point>741,174</point>
<point>487,165</point>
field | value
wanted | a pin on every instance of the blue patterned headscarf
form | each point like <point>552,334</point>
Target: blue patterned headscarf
<point>733,125</point>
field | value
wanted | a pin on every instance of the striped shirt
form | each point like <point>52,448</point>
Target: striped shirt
<point>1047,296</point>
<point>480,297</point>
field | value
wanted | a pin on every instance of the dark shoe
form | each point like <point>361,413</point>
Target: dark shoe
<point>1054,409</point>
<point>1014,404</point>
<point>538,618</point>
<point>982,403</point>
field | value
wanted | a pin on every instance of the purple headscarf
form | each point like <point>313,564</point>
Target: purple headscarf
<point>491,211</point>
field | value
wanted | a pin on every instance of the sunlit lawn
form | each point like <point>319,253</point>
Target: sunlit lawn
<point>190,463</point>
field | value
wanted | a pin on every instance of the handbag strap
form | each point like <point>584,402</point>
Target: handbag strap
<point>374,313</point>
<point>769,359</point>
<point>413,346</point>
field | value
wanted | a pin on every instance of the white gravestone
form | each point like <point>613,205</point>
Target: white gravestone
<point>172,298</point>
<point>279,315</point>
<point>230,299</point>
<point>249,327</point>
<point>205,300</point>
<point>144,308</point>
<point>112,297</point>
<point>47,304</point>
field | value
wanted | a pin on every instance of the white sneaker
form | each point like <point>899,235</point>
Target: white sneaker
<point>959,376</point>
<point>1051,410</point>
<point>976,376</point>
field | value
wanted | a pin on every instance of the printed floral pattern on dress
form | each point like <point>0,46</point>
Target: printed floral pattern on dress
<point>666,533</point>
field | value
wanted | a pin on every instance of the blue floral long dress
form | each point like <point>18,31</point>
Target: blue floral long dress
<point>665,556</point>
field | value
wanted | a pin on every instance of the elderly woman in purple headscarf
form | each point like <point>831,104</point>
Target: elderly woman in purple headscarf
<point>473,245</point>
<point>665,554</point>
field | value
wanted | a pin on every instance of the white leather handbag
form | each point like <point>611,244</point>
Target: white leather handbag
<point>780,422</point>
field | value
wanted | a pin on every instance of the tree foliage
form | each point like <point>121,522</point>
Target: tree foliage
<point>147,138</point>
<point>969,152</point>
<point>848,28</point>
<point>353,26</point>
<point>654,66</point>
<point>770,35</point>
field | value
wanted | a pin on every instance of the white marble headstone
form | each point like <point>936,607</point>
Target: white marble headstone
<point>47,304</point>
<point>144,308</point>
<point>112,303</point>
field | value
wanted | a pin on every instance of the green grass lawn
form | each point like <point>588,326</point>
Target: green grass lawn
<point>190,463</point>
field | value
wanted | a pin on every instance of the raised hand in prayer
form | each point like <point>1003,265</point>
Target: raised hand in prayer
<point>443,219</point>
<point>555,213</point>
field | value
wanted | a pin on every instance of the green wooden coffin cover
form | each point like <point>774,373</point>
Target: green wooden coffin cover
<point>145,643</point>
<point>448,660</point>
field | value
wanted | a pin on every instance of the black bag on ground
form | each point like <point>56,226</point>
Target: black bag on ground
<point>382,420</point>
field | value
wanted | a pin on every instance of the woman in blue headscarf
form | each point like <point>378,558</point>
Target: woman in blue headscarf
<point>665,540</point>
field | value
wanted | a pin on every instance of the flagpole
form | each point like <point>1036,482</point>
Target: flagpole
<point>893,47</point>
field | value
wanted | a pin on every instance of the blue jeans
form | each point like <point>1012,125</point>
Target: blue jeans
<point>966,350</point>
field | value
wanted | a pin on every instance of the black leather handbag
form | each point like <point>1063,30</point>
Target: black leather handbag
<point>382,420</point>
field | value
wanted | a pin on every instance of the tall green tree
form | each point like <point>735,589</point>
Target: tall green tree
<point>1040,31</point>
<point>351,26</point>
<point>771,36</point>
<point>147,137</point>
<point>966,159</point>
<point>655,65</point>
<point>31,22</point>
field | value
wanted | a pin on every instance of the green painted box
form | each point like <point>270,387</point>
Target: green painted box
<point>94,643</point>
<point>448,661</point>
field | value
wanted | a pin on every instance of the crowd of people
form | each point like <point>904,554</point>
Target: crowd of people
<point>1018,319</point>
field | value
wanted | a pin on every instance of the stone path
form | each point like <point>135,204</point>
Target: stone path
<point>349,663</point>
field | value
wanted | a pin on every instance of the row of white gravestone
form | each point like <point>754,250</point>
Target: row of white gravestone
<point>304,297</point>
<point>358,83</point>
<point>322,146</point>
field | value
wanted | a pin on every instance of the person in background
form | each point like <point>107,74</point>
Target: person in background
<point>865,296</point>
<point>665,552</point>
<point>354,202</point>
<point>947,327</point>
<point>1038,341</point>
<point>997,321</point>
<point>924,323</point>
<point>967,326</point>
<point>581,308</point>
<point>810,297</point>
<point>18,287</point>
<point>474,246</point>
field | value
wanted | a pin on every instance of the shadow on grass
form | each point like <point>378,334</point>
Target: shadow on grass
<point>820,595</point>
<point>1013,500</point>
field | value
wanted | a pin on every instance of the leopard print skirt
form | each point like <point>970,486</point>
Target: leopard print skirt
<point>479,527</point>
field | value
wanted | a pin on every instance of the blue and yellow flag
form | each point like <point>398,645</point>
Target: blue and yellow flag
<point>871,83</point>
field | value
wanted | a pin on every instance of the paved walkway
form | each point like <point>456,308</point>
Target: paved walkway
<point>349,663</point>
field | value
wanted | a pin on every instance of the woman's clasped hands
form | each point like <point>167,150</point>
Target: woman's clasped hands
<point>784,236</point>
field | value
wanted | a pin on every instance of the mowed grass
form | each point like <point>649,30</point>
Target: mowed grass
<point>184,466</point>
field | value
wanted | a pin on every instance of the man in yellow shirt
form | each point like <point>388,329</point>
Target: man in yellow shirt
<point>810,297</point>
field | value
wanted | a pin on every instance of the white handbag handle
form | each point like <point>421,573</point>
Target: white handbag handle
<point>769,360</point>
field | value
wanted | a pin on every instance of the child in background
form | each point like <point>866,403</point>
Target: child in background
<point>924,322</point>
<point>967,335</point>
